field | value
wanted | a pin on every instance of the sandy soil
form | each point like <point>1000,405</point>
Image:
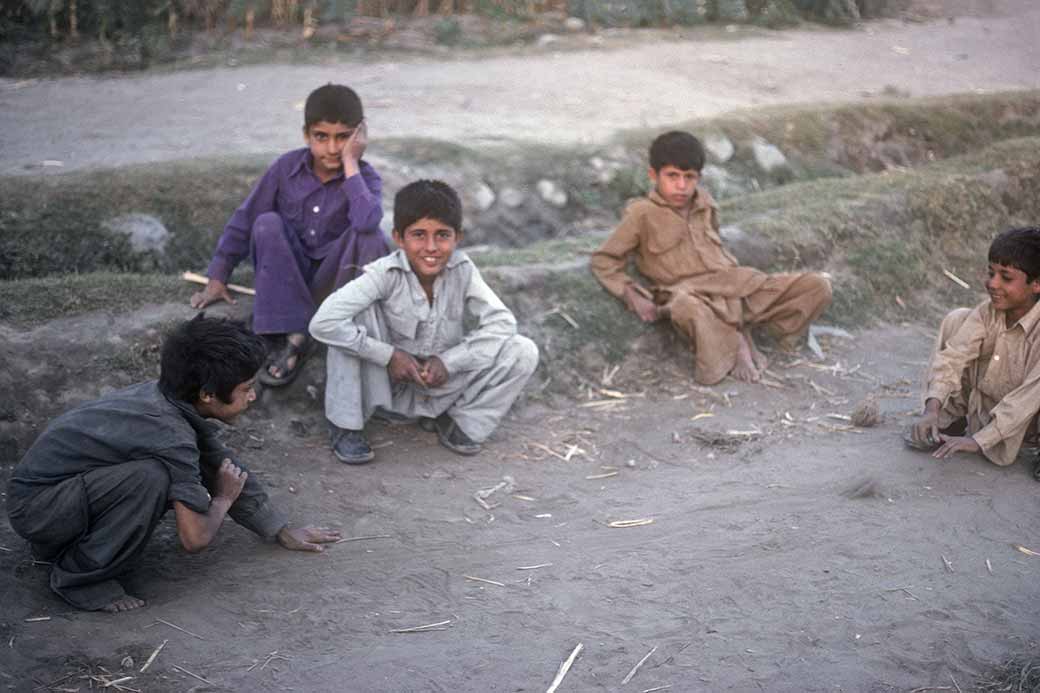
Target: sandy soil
<point>585,94</point>
<point>803,557</point>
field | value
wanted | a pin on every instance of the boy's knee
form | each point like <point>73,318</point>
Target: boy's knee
<point>522,352</point>
<point>149,476</point>
<point>268,227</point>
<point>821,285</point>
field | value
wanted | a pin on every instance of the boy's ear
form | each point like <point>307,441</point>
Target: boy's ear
<point>652,174</point>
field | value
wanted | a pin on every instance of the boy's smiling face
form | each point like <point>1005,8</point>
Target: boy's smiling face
<point>326,142</point>
<point>428,244</point>
<point>1011,291</point>
<point>676,185</point>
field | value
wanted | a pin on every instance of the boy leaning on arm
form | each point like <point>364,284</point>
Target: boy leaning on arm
<point>694,281</point>
<point>983,381</point>
<point>310,224</point>
<point>93,487</point>
<point>397,343</point>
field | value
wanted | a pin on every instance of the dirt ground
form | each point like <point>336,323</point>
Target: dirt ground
<point>787,551</point>
<point>594,89</point>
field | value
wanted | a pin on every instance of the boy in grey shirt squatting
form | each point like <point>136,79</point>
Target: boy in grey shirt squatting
<point>397,341</point>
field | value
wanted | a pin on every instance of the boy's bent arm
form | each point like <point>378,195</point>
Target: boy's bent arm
<point>610,261</point>
<point>1002,437</point>
<point>964,347</point>
<point>364,191</point>
<point>233,244</point>
<point>334,322</point>
<point>496,323</point>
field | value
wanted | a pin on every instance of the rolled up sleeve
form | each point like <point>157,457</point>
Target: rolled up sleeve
<point>334,322</point>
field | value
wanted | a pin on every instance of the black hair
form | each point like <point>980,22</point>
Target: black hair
<point>333,103</point>
<point>424,199</point>
<point>679,149</point>
<point>212,355</point>
<point>1019,248</point>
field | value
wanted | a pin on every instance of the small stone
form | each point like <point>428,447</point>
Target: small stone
<point>676,438</point>
<point>630,464</point>
<point>574,24</point>
<point>511,197</point>
<point>313,392</point>
<point>145,232</point>
<point>127,662</point>
<point>292,489</point>
<point>768,156</point>
<point>546,40</point>
<point>551,193</point>
<point>597,163</point>
<point>719,147</point>
<point>484,197</point>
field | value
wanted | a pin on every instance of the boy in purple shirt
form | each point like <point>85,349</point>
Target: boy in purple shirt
<point>310,224</point>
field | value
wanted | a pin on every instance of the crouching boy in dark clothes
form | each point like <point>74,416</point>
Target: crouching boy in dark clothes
<point>95,484</point>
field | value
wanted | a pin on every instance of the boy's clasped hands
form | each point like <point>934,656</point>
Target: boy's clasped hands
<point>405,368</point>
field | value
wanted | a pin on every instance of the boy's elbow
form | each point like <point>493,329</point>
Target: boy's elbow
<point>193,543</point>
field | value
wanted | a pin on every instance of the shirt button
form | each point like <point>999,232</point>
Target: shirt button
<point>313,232</point>
<point>317,209</point>
<point>997,357</point>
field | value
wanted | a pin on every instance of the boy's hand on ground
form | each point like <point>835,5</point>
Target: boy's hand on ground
<point>434,373</point>
<point>404,368</point>
<point>952,444</point>
<point>230,480</point>
<point>215,290</point>
<point>925,431</point>
<point>640,304</point>
<point>354,149</point>
<point>307,538</point>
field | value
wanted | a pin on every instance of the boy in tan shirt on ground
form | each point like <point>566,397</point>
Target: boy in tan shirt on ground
<point>983,382</point>
<point>694,280</point>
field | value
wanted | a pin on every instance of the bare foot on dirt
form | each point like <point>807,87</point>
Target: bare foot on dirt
<point>296,339</point>
<point>760,360</point>
<point>745,369</point>
<point>124,603</point>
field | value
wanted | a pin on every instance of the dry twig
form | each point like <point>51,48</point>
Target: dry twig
<point>423,629</point>
<point>192,674</point>
<point>638,664</point>
<point>176,627</point>
<point>151,657</point>
<point>564,668</point>
<point>478,579</point>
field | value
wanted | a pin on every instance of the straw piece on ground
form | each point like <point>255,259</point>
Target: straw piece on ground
<point>564,668</point>
<point>657,688</point>
<point>364,538</point>
<point>638,664</point>
<point>176,627</point>
<point>1022,549</point>
<point>421,629</point>
<point>946,562</point>
<point>480,579</point>
<point>534,567</point>
<point>620,524</point>
<point>607,475</point>
<point>192,674</point>
<point>37,619</point>
<point>151,657</point>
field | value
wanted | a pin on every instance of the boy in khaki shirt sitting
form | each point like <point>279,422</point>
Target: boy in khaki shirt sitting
<point>694,280</point>
<point>983,382</point>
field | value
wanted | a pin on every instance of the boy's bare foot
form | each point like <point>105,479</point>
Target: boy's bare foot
<point>760,360</point>
<point>745,369</point>
<point>124,603</point>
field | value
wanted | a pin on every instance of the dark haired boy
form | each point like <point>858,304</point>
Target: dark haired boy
<point>92,488</point>
<point>310,223</point>
<point>983,382</point>
<point>397,341</point>
<point>694,281</point>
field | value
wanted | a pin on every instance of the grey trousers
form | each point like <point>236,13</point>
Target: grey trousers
<point>476,400</point>
<point>93,527</point>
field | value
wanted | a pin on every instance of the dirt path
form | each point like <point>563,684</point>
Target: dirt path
<point>559,97</point>
<point>807,558</point>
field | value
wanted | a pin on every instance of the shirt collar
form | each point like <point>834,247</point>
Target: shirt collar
<point>1029,320</point>
<point>197,421</point>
